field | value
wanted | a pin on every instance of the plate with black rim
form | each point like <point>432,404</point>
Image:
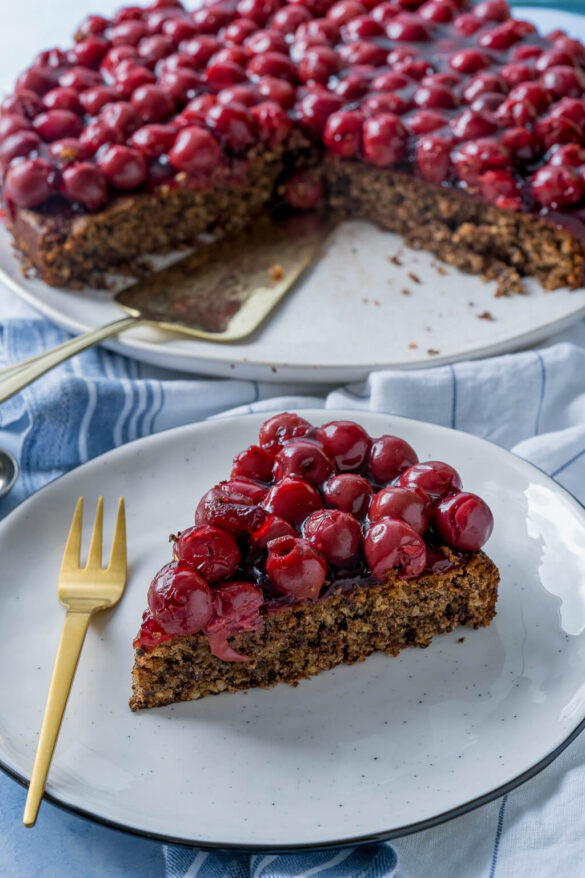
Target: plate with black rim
<point>369,751</point>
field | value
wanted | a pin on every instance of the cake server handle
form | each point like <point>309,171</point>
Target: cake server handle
<point>14,378</point>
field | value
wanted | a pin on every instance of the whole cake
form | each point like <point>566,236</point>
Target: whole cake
<point>462,129</point>
<point>324,546</point>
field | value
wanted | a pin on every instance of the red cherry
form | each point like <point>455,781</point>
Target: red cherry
<point>117,56</point>
<point>239,94</point>
<point>200,49</point>
<point>57,124</point>
<point>52,58</point>
<point>153,140</point>
<point>464,521</point>
<point>123,167</point>
<point>128,13</point>
<point>391,544</point>
<point>483,83</point>
<point>303,459</point>
<point>385,12</point>
<point>273,64</point>
<point>10,123</point>
<point>492,10</point>
<point>180,85</point>
<point>128,79</point>
<point>66,152</point>
<point>478,156</point>
<point>94,99</point>
<point>265,41</point>
<point>521,143</point>
<point>408,504</point>
<point>25,103</point>
<point>433,158</point>
<point>352,86</point>
<point>39,80</point>
<point>407,28</point>
<point>80,78</point>
<point>30,182</point>
<point>315,108</point>
<point>176,61</point>
<point>152,103</point>
<point>254,463</point>
<point>180,600</point>
<point>516,74</point>
<point>212,552</point>
<point>272,123</point>
<point>232,124</point>
<point>361,53</point>
<point>318,64</point>
<point>288,18</point>
<point>272,528</point>
<point>195,150</point>
<point>237,31</point>
<point>128,33</point>
<point>344,11</point>
<point>236,607</point>
<point>435,97</point>
<point>470,125</point>
<point>346,442</point>
<point>343,132</point>
<point>467,24</point>
<point>293,499</point>
<point>154,49</point>
<point>501,189</point>
<point>176,30</point>
<point>89,52</point>
<point>84,183</point>
<point>384,139</point>
<point>348,492</point>
<point>446,78</point>
<point>121,115</point>
<point>564,81</point>
<point>571,155</point>
<point>296,568</point>
<point>93,25</point>
<point>389,457</point>
<point>243,486</point>
<point>433,477</point>
<point>385,103</point>
<point>438,11</point>
<point>99,134</point>
<point>231,511</point>
<point>22,144</point>
<point>232,55</point>
<point>224,73</point>
<point>469,61</point>
<point>304,190</point>
<point>554,186</point>
<point>360,28</point>
<point>335,533</point>
<point>258,10</point>
<point>62,99</point>
<point>505,35</point>
<point>280,428</point>
<point>278,90</point>
<point>426,121</point>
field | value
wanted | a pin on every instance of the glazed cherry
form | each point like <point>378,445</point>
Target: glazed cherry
<point>180,600</point>
<point>433,158</point>
<point>153,140</point>
<point>200,49</point>
<point>570,155</point>
<point>80,78</point>
<point>288,18</point>
<point>346,442</point>
<point>92,25</point>
<point>239,94</point>
<point>30,182</point>
<point>433,477</point>
<point>407,28</point>
<point>293,499</point>
<point>304,190</point>
<point>115,57</point>
<point>361,53</point>
<point>194,150</point>
<point>564,81</point>
<point>22,144</point>
<point>57,124</point>
<point>128,33</point>
<point>25,103</point>
<point>304,459</point>
<point>492,10</point>
<point>345,10</point>
<point>521,143</point>
<point>212,552</point>
<point>233,512</point>
<point>473,159</point>
<point>296,567</point>
<point>361,27</point>
<point>154,49</point>
<point>62,99</point>
<point>10,123</point>
<point>384,139</point>
<point>315,108</point>
<point>236,607</point>
<point>121,116</point>
<point>98,134</point>
<point>273,64</point>
<point>89,52</point>
<point>483,83</point>
<point>265,41</point>
<point>389,457</point>
<point>94,99</point>
<point>467,24</point>
<point>280,428</point>
<point>438,11</point>
<point>554,186</point>
<point>385,12</point>
<point>392,544</point>
<point>85,184</point>
<point>349,493</point>
<point>431,97</point>
<point>254,463</point>
<point>426,121</point>
<point>464,521</point>
<point>335,533</point>
<point>39,80</point>
<point>244,486</point>
<point>272,123</point>
<point>123,167</point>
<point>258,10</point>
<point>180,85</point>
<point>152,103</point>
<point>318,64</point>
<point>271,529</point>
<point>67,151</point>
<point>408,504</point>
<point>178,29</point>
<point>278,90</point>
<point>501,189</point>
<point>239,30</point>
<point>232,124</point>
<point>471,125</point>
<point>343,133</point>
<point>469,61</point>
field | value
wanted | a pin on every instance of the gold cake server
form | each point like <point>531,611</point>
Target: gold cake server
<point>222,292</point>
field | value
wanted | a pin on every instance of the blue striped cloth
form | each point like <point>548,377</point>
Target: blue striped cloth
<point>532,402</point>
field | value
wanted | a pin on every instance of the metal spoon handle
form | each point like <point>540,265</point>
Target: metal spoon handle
<point>14,378</point>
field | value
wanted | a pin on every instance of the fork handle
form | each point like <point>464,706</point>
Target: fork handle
<point>14,378</point>
<point>72,637</point>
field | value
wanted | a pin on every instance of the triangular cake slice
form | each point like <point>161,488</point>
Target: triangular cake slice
<point>324,546</point>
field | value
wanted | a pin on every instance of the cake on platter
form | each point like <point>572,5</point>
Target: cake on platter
<point>457,126</point>
<point>324,546</point>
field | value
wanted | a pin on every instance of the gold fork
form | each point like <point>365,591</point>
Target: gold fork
<point>83,591</point>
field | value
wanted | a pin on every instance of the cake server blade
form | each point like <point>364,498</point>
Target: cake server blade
<point>225,290</point>
<point>222,292</point>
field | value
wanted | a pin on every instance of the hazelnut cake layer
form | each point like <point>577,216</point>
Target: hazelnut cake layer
<point>324,546</point>
<point>461,128</point>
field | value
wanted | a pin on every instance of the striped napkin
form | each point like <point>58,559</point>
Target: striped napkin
<point>532,402</point>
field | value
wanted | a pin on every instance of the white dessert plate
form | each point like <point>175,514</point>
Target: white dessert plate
<point>371,751</point>
<point>350,316</point>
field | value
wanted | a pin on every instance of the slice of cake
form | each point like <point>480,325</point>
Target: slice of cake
<point>462,130</point>
<point>324,546</point>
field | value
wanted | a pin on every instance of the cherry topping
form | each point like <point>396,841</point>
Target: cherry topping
<point>315,108</point>
<point>280,428</point>
<point>384,139</point>
<point>346,442</point>
<point>318,64</point>
<point>409,504</point>
<point>232,124</point>
<point>305,459</point>
<point>433,477</point>
<point>392,544</point>
<point>152,103</point>
<point>30,182</point>
<point>433,158</point>
<point>554,186</point>
<point>121,116</point>
<point>407,28</point>
<point>153,140</point>
<point>80,78</point>
<point>272,528</point>
<point>232,512</point>
<point>335,533</point>
<point>254,463</point>
<point>389,457</point>
<point>11,123</point>
<point>304,190</point>
<point>180,600</point>
<point>278,90</point>
<point>212,552</point>
<point>464,521</point>
<point>25,103</point>
<point>296,567</point>
<point>85,183</point>
<point>236,607</point>
<point>343,132</point>
<point>39,80</point>
<point>244,486</point>
<point>426,121</point>
<point>123,167</point>
<point>57,124</point>
<point>474,158</point>
<point>194,150</point>
<point>348,492</point>
<point>293,499</point>
<point>272,123</point>
<point>22,144</point>
<point>62,99</point>
<point>67,151</point>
